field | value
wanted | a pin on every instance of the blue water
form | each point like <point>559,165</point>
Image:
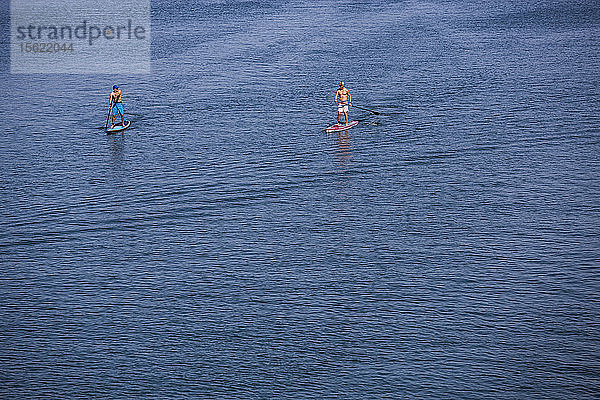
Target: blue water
<point>226,247</point>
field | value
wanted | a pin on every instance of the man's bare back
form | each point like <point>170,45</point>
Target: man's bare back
<point>115,97</point>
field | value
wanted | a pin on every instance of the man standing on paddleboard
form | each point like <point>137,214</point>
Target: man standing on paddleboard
<point>343,99</point>
<point>116,105</point>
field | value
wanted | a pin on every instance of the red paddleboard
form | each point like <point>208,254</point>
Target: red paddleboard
<point>341,127</point>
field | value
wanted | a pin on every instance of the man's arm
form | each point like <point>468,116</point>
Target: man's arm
<point>349,97</point>
<point>110,100</point>
<point>337,92</point>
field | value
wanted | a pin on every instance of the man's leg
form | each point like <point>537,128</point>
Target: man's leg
<point>346,115</point>
<point>339,116</point>
<point>113,121</point>
<point>122,113</point>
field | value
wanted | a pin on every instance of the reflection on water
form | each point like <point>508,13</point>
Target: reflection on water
<point>343,150</point>
<point>116,145</point>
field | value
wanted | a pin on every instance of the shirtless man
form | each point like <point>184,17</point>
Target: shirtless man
<point>116,105</point>
<point>343,98</point>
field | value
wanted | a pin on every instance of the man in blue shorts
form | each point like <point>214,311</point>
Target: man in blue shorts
<point>116,105</point>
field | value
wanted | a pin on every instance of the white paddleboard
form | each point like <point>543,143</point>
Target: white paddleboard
<point>118,128</point>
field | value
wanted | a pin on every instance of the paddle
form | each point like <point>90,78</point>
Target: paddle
<point>366,109</point>
<point>107,117</point>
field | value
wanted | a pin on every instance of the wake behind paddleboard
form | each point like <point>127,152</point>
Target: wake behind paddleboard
<point>118,128</point>
<point>341,127</point>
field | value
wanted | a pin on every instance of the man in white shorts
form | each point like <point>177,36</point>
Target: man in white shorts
<point>343,98</point>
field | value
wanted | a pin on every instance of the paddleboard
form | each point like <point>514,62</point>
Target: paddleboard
<point>341,127</point>
<point>118,128</point>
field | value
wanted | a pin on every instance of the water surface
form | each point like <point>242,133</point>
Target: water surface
<point>226,247</point>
